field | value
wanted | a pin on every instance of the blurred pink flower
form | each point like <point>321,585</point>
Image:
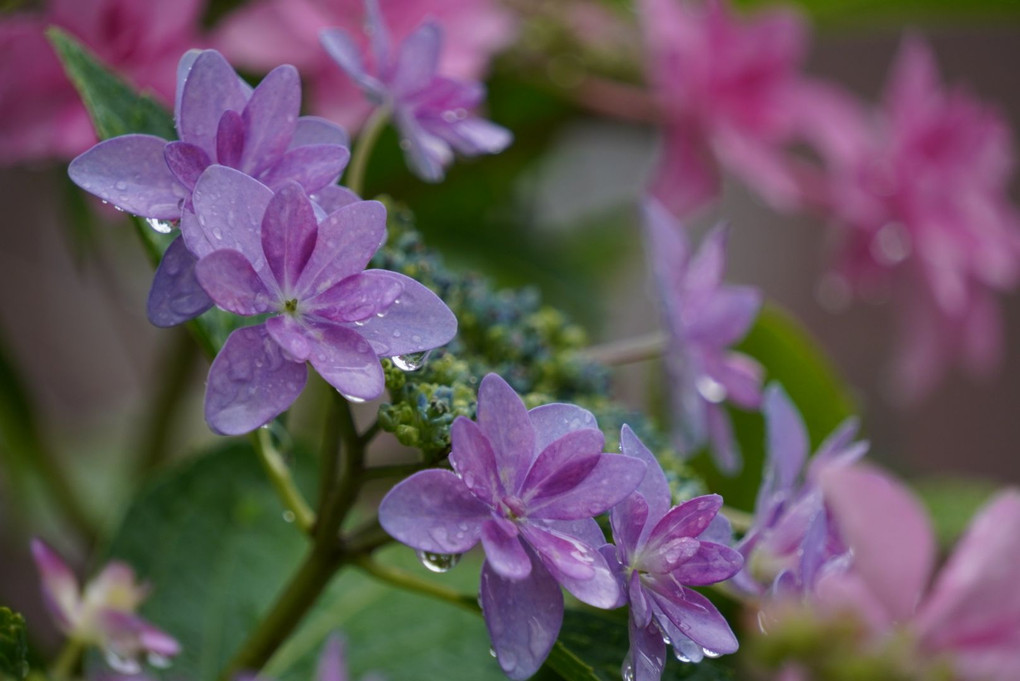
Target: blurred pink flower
<point>971,612</point>
<point>41,115</point>
<point>920,190</point>
<point>265,33</point>
<point>731,93</point>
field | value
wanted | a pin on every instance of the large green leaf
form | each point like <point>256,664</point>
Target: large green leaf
<point>13,647</point>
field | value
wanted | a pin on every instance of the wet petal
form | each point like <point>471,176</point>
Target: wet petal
<point>211,88</point>
<point>640,608</point>
<point>711,564</point>
<point>523,618</point>
<point>130,172</point>
<point>654,486</point>
<point>333,197</point>
<point>693,615</point>
<point>357,298</point>
<point>250,382</point>
<point>504,420</point>
<point>504,552</point>
<point>563,464</point>
<point>186,162</point>
<point>472,457</point>
<point>289,233</point>
<point>418,320</point>
<point>176,296</point>
<point>578,566</point>
<point>346,361</point>
<point>315,130</point>
<point>348,238</point>
<point>417,60</point>
<point>686,521</point>
<point>433,511</point>
<point>628,519</point>
<point>228,211</point>
<point>312,166</point>
<point>233,285</point>
<point>646,657</point>
<point>295,339</point>
<point>230,140</point>
<point>611,480</point>
<point>270,118</point>
<point>345,52</point>
<point>553,421</point>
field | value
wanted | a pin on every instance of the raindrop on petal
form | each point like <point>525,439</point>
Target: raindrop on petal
<point>438,562</point>
<point>710,653</point>
<point>410,362</point>
<point>161,226</point>
<point>712,390</point>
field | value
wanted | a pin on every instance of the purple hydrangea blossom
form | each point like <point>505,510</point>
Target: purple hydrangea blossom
<point>103,613</point>
<point>660,551</point>
<point>703,317</point>
<point>792,538</point>
<point>431,112</point>
<point>280,254</point>
<point>526,484</point>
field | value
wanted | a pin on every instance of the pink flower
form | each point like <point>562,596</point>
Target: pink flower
<point>41,115</point>
<point>971,611</point>
<point>919,189</point>
<point>103,612</point>
<point>265,33</point>
<point>730,91</point>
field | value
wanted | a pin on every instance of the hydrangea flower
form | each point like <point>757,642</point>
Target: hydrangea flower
<point>263,253</point>
<point>103,613</point>
<point>259,35</point>
<point>41,114</point>
<point>792,538</point>
<point>702,318</point>
<point>527,485</point>
<point>431,112</point>
<point>970,613</point>
<point>732,95</point>
<point>660,551</point>
<point>920,191</point>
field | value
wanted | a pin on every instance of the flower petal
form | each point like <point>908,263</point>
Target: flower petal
<point>425,153</point>
<point>313,166</point>
<point>472,457</point>
<point>693,615</point>
<point>687,176</point>
<point>211,87</point>
<point>186,161</point>
<point>433,511</point>
<point>346,361</point>
<point>563,464</point>
<point>270,117</point>
<point>348,238</point>
<point>628,519</point>
<point>333,197</point>
<point>292,336</point>
<point>504,420</point>
<point>230,140</point>
<point>289,232</point>
<point>345,52</point>
<point>176,295</point>
<point>418,320</point>
<point>59,585</point>
<point>233,285</point>
<point>725,449</point>
<point>228,210</point>
<point>417,60</point>
<point>357,298</point>
<point>611,480</point>
<point>654,487</point>
<point>250,382</point>
<point>578,566</point>
<point>553,421</point>
<point>712,563</point>
<point>314,130</point>
<point>504,552</point>
<point>646,657</point>
<point>523,618</point>
<point>130,172</point>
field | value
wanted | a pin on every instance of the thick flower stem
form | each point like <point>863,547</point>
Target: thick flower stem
<point>630,350</point>
<point>341,495</point>
<point>366,141</point>
<point>283,483</point>
<point>409,582</point>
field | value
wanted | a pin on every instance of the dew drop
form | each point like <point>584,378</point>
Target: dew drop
<point>667,640</point>
<point>121,186</point>
<point>288,516</point>
<point>161,226</point>
<point>680,656</point>
<point>217,234</point>
<point>124,665</point>
<point>492,651</point>
<point>359,323</point>
<point>628,672</point>
<point>410,362</point>
<point>158,661</point>
<point>438,562</point>
<point>712,390</point>
<point>352,398</point>
<point>710,653</point>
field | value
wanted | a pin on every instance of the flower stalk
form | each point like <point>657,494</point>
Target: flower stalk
<point>366,142</point>
<point>282,481</point>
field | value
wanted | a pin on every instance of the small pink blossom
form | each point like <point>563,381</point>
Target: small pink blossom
<point>265,33</point>
<point>41,114</point>
<point>731,93</point>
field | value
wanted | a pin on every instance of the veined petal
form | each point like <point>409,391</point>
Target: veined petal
<point>346,361</point>
<point>726,316</point>
<point>654,486</point>
<point>647,655</point>
<point>612,478</point>
<point>688,520</point>
<point>640,608</point>
<point>433,511</point>
<point>314,130</point>
<point>289,232</point>
<point>130,172</point>
<point>417,60</point>
<point>292,336</point>
<point>228,211</point>
<point>59,585</point>
<point>230,140</point>
<point>472,457</point>
<point>345,52</point>
<point>628,519</point>
<point>427,155</point>
<point>313,166</point>
<point>418,320</point>
<point>211,87</point>
<point>523,618</point>
<point>270,117</point>
<point>250,382</point>
<point>233,285</point>
<point>504,552</point>
<point>712,563</point>
<point>186,162</point>
<point>347,240</point>
<point>503,418</point>
<point>176,296</point>
<point>692,615</point>
<point>578,566</point>
<point>553,421</point>
<point>563,464</point>
<point>356,298</point>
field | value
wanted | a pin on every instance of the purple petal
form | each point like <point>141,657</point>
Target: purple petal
<point>233,285</point>
<point>346,361</point>
<point>425,153</point>
<point>378,36</point>
<point>739,375</point>
<point>348,238</point>
<point>503,418</point>
<point>553,421</point>
<point>129,636</point>
<point>416,61</point>
<point>705,273</point>
<point>523,618</point>
<point>711,564</point>
<point>250,382</point>
<point>726,318</point>
<point>230,140</point>
<point>345,52</point>
<point>292,336</point>
<point>183,69</point>
<point>640,608</point>
<point>646,657</point>
<point>472,457</point>
<point>59,585</point>
<point>332,198</point>
<point>313,130</point>
<point>725,450</point>
<point>472,136</point>
<point>130,172</point>
<point>270,118</point>
<point>228,210</point>
<point>787,439</point>
<point>332,660</point>
<point>564,463</point>
<point>578,566</point>
<point>504,552</point>
<point>719,531</point>
<point>186,162</point>
<point>628,519</point>
<point>433,511</point>
<point>611,480</point>
<point>693,615</point>
<point>687,176</point>
<point>289,233</point>
<point>585,529</point>
<point>654,487</point>
<point>418,320</point>
<point>211,88</point>
<point>176,296</point>
<point>357,298</point>
<point>312,166</point>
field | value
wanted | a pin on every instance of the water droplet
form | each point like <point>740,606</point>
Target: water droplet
<point>124,665</point>
<point>217,234</point>
<point>121,186</point>
<point>628,672</point>
<point>353,399</point>
<point>288,516</point>
<point>891,244</point>
<point>667,640</point>
<point>380,315</point>
<point>711,389</point>
<point>161,226</point>
<point>158,661</point>
<point>410,362</point>
<point>492,651</point>
<point>710,653</point>
<point>438,562</point>
<point>680,656</point>
<point>359,323</point>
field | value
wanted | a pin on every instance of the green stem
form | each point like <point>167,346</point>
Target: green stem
<point>341,497</point>
<point>367,538</point>
<point>409,582</point>
<point>176,372</point>
<point>366,141</point>
<point>329,451</point>
<point>629,350</point>
<point>283,483</point>
<point>67,661</point>
<point>741,521</point>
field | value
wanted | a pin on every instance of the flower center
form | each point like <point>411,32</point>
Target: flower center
<point>290,306</point>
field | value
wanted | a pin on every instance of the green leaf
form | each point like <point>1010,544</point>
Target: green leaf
<point>13,646</point>
<point>114,106</point>
<point>952,503</point>
<point>872,12</point>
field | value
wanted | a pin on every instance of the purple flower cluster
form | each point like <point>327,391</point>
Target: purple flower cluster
<point>527,485</point>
